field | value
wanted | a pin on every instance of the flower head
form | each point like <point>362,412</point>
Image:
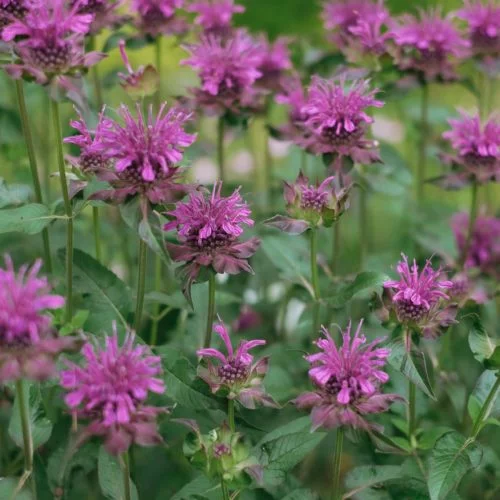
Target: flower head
<point>110,391</point>
<point>348,381</point>
<point>428,45</point>
<point>209,228</point>
<point>419,295</point>
<point>11,10</point>
<point>215,16</point>
<point>28,343</point>
<point>236,371</point>
<point>104,13</point>
<point>49,41</point>
<point>228,69</point>
<point>483,19</point>
<point>484,247</point>
<point>337,119</point>
<point>157,17</point>
<point>477,147</point>
<point>274,61</point>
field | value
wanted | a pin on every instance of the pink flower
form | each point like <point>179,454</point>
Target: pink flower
<point>228,69</point>
<point>484,251</point>
<point>157,17</point>
<point>49,41</point>
<point>28,343</point>
<point>337,120</point>
<point>348,381</point>
<point>483,19</point>
<point>209,228</point>
<point>104,13</point>
<point>110,391</point>
<point>477,148</point>
<point>368,38</point>
<point>11,10</point>
<point>274,62</point>
<point>236,371</point>
<point>215,16</point>
<point>248,319</point>
<point>428,45</point>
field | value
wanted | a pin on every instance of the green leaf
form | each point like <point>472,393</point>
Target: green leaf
<point>363,282</point>
<point>452,457</point>
<point>481,345</point>
<point>429,437</point>
<point>13,194</point>
<point>8,486</point>
<point>41,427</point>
<point>199,487</point>
<point>480,394</point>
<point>493,362</point>
<point>368,476</point>
<point>29,219</point>
<point>104,294</point>
<point>402,361</point>
<point>111,478</point>
<point>301,494</point>
<point>153,236</point>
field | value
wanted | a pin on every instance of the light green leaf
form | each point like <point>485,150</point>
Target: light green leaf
<point>14,194</point>
<point>480,394</point>
<point>111,478</point>
<point>368,476</point>
<point>29,219</point>
<point>481,345</point>
<point>8,486</point>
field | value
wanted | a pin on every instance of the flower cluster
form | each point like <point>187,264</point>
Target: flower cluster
<point>158,17</point>
<point>274,62</point>
<point>215,17</point>
<point>209,228</point>
<point>428,45</point>
<point>10,10</point>
<point>419,298</point>
<point>28,342</point>
<point>49,41</point>
<point>110,391</point>
<point>236,372</point>
<point>104,12</point>
<point>348,381</point>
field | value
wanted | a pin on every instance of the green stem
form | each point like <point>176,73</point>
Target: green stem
<point>472,222</point>
<point>97,232</point>
<point>337,462</point>
<point>156,311</point>
<point>126,477</point>
<point>268,166</point>
<point>230,414</point>
<point>335,247</point>
<point>28,138</point>
<point>412,408</point>
<point>67,208</point>
<point>210,311</point>
<point>141,283</point>
<point>486,408</point>
<point>424,136</point>
<point>364,239</point>
<point>158,54</point>
<point>220,149</point>
<point>95,78</point>
<point>315,278</point>
<point>27,436</point>
<point>225,491</point>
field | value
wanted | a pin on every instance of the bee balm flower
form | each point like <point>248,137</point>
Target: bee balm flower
<point>215,16</point>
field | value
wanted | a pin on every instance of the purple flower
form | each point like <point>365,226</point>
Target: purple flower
<point>484,26</point>
<point>157,17</point>
<point>428,45</point>
<point>248,319</point>
<point>236,371</point>
<point>337,120</point>
<point>104,13</point>
<point>209,228</point>
<point>11,10</point>
<point>484,250</point>
<point>49,41</point>
<point>348,381</point>
<point>477,148</point>
<point>228,69</point>
<point>110,391</point>
<point>368,38</point>
<point>28,343</point>
<point>420,299</point>
<point>215,16</point>
<point>274,61</point>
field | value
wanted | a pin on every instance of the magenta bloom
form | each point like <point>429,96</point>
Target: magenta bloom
<point>477,148</point>
<point>209,228</point>
<point>348,381</point>
<point>337,120</point>
<point>428,45</point>
<point>28,343</point>
<point>236,371</point>
<point>274,62</point>
<point>484,251</point>
<point>49,41</point>
<point>484,25</point>
<point>11,10</point>
<point>228,69</point>
<point>367,38</point>
<point>104,13</point>
<point>157,17</point>
<point>215,16</point>
<point>110,391</point>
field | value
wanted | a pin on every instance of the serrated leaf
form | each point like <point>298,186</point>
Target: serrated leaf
<point>452,457</point>
<point>104,294</point>
<point>478,397</point>
<point>363,282</point>
<point>402,361</point>
<point>481,345</point>
<point>111,478</point>
<point>199,487</point>
<point>29,219</point>
<point>368,476</point>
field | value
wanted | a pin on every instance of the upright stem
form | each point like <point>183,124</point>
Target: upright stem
<point>337,462</point>
<point>363,228</point>
<point>126,476</point>
<point>486,408</point>
<point>210,311</point>
<point>422,154</point>
<point>472,222</point>
<point>268,159</point>
<point>335,247</point>
<point>315,278</point>
<point>220,149</point>
<point>230,414</point>
<point>95,78</point>
<point>67,208</point>
<point>156,311</point>
<point>411,394</point>
<point>28,138</point>
<point>141,283</point>
<point>225,491</point>
<point>97,232</point>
